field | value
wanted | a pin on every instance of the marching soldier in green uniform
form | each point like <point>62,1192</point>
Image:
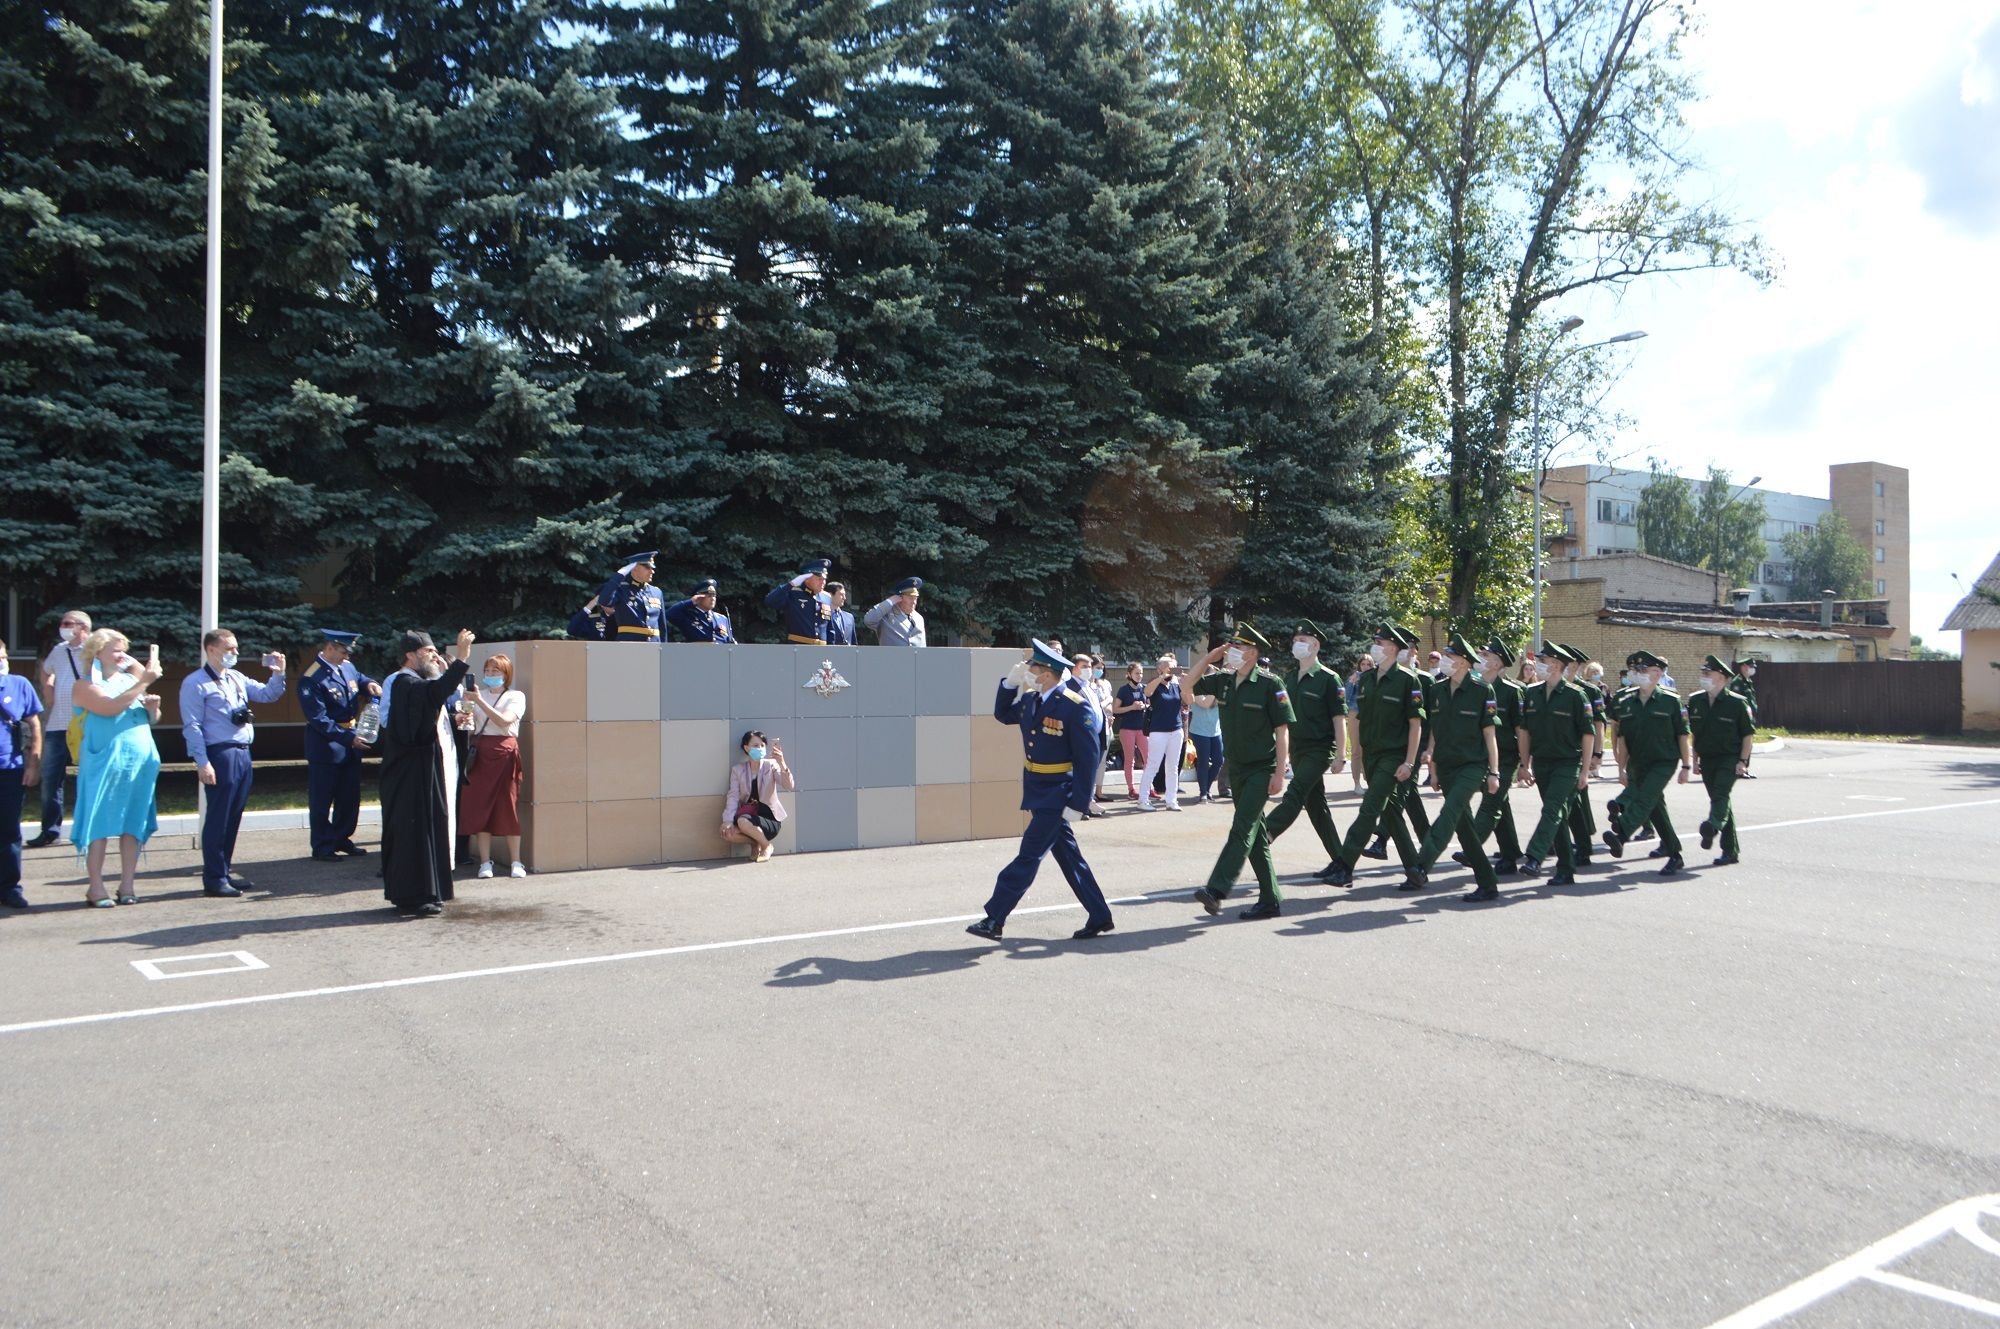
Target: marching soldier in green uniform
<point>1496,811</point>
<point>1465,759</point>
<point>1390,724</point>
<point>1743,682</point>
<point>1555,740</point>
<point>1723,728</point>
<point>1582,820</point>
<point>1319,740</point>
<point>1256,716</point>
<point>1628,684</point>
<point>1652,733</point>
<point>1413,812</point>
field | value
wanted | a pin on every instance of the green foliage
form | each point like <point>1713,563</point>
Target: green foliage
<point>1826,556</point>
<point>1919,651</point>
<point>1707,526</point>
<point>1669,526</point>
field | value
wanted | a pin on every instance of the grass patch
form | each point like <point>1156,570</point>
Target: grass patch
<point>279,786</point>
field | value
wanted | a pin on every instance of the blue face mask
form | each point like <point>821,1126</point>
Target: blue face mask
<point>229,659</point>
<point>757,754</point>
<point>1097,673</point>
<point>494,681</point>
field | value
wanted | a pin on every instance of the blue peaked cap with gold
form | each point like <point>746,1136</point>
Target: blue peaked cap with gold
<point>1047,656</point>
<point>339,638</point>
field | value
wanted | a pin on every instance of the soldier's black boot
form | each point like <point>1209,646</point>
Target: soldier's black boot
<point>986,928</point>
<point>1502,863</point>
<point>1672,865</point>
<point>1530,867</point>
<point>1562,877</point>
<point>1380,849</point>
<point>1708,835</point>
<point>1615,843</point>
<point>1209,901</point>
<point>1643,833</point>
<point>1415,879</point>
<point>1336,873</point>
<point>1726,860</point>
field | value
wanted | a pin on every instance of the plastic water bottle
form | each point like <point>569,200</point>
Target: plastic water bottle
<point>368,725</point>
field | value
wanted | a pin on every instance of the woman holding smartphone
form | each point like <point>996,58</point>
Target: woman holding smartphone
<point>118,764</point>
<point>751,811</point>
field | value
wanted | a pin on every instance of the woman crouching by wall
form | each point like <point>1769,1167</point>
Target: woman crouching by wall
<point>751,811</point>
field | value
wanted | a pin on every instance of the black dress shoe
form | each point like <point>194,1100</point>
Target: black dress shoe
<point>1380,849</point>
<point>1336,874</point>
<point>1480,896</point>
<point>330,857</point>
<point>986,928</point>
<point>351,849</point>
<point>1726,860</point>
<point>1209,901</point>
<point>1562,878</point>
<point>1506,865</point>
<point>1615,843</point>
<point>1582,858</point>
<point>1672,865</point>
<point>1708,835</point>
<point>242,884</point>
<point>1643,833</point>
<point>1089,930</point>
<point>1257,911</point>
<point>1415,880</point>
<point>1530,867</point>
<point>44,840</point>
<point>431,910</point>
<point>1657,851</point>
<point>225,889</point>
<point>1458,856</point>
<point>12,898</point>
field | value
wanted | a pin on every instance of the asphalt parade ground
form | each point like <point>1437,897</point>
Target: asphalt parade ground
<point>799,1094</point>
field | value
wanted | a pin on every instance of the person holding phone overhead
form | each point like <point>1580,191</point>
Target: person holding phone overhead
<point>118,764</point>
<point>216,720</point>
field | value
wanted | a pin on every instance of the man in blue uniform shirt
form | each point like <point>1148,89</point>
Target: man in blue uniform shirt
<point>332,693</point>
<point>215,720</point>
<point>638,610</point>
<point>695,618</point>
<point>20,770</point>
<point>589,623</point>
<point>799,604</point>
<point>1061,754</point>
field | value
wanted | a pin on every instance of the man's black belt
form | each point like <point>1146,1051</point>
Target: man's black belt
<point>228,747</point>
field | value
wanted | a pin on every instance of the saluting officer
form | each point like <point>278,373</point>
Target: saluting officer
<point>1723,729</point>
<point>1652,732</point>
<point>801,603</point>
<point>1060,751</point>
<point>1496,811</point>
<point>896,620</point>
<point>1464,759</point>
<point>589,622</point>
<point>696,619</point>
<point>1319,740</point>
<point>1389,700</point>
<point>638,610</point>
<point>332,693</point>
<point>1256,715</point>
<point>1555,739</point>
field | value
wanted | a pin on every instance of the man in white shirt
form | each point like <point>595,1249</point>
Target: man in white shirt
<point>58,678</point>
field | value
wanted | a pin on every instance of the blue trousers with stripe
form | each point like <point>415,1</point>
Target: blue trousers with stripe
<point>1047,833</point>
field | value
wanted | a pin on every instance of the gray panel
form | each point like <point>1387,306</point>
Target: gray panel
<point>826,820</point>
<point>807,701</point>
<point>694,682</point>
<point>887,683</point>
<point>888,751</point>
<point>941,681</point>
<point>822,753</point>
<point>764,680</point>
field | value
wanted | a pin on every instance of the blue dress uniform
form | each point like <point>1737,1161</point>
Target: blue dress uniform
<point>688,621</point>
<point>637,612</point>
<point>805,615</point>
<point>216,723</point>
<point>1061,753</point>
<point>332,696</point>
<point>586,625</point>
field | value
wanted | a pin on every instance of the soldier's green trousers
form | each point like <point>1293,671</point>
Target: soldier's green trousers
<point>1382,802</point>
<point>1582,821</point>
<point>1414,811</point>
<point>1644,800</point>
<point>1249,788</point>
<point>1718,776</point>
<point>1455,817</point>
<point>1555,777</point>
<point>1496,816</point>
<point>1306,793</point>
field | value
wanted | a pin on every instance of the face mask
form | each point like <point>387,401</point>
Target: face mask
<point>494,681</point>
<point>74,636</point>
<point>1097,673</point>
<point>1301,651</point>
<point>229,659</point>
<point>1712,683</point>
<point>1379,654</point>
<point>757,754</point>
<point>1232,658</point>
<point>5,667</point>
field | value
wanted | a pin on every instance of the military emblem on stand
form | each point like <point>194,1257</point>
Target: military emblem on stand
<point>827,680</point>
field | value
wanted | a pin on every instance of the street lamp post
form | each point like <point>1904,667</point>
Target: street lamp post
<point>1540,450</point>
<point>211,422</point>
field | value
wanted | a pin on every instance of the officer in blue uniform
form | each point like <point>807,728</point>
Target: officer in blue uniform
<point>638,610</point>
<point>589,622</point>
<point>696,619</point>
<point>801,603</point>
<point>1061,754</point>
<point>332,693</point>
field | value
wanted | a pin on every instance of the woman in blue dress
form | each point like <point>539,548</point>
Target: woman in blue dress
<point>118,764</point>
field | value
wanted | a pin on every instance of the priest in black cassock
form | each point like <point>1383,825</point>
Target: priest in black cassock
<point>420,775</point>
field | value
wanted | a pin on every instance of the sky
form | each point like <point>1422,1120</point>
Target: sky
<point>1861,141</point>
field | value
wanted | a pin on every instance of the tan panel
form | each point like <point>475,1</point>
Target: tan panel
<point>996,751</point>
<point>623,759</point>
<point>561,688</point>
<point>552,760</point>
<point>553,837</point>
<point>944,813</point>
<point>996,810</point>
<point>690,829</point>
<point>624,834</point>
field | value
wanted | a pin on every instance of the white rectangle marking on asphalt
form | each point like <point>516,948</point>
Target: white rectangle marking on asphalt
<point>244,963</point>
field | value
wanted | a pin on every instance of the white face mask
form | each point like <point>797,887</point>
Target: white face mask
<point>6,667</point>
<point>1712,682</point>
<point>1379,654</point>
<point>229,659</point>
<point>1233,659</point>
<point>1301,651</point>
<point>75,636</point>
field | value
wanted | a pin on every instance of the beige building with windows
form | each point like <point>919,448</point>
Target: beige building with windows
<point>1976,619</point>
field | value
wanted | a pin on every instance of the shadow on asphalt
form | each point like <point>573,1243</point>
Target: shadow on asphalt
<point>1971,774</point>
<point>819,970</point>
<point>236,929</point>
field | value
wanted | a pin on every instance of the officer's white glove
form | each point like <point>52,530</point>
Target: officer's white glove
<point>799,580</point>
<point>1071,814</point>
<point>1017,677</point>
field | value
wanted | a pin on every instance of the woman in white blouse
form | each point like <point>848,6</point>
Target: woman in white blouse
<point>751,811</point>
<point>491,802</point>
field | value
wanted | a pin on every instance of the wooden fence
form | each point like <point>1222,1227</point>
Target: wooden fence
<point>1863,697</point>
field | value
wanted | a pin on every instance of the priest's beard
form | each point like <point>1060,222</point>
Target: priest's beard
<point>429,668</point>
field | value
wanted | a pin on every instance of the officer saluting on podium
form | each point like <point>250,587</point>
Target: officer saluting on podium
<point>799,602</point>
<point>638,610</point>
<point>1061,748</point>
<point>331,695</point>
<point>696,619</point>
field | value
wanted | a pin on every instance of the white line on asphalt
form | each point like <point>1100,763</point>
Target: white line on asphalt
<point>245,962</point>
<point>537,966</point>
<point>1868,1264</point>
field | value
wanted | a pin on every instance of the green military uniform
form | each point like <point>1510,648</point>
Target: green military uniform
<point>1496,811</point>
<point>1582,820</point>
<point>1319,705</point>
<point>1614,702</point>
<point>1718,725</point>
<point>1251,711</point>
<point>1467,719</point>
<point>1556,716</point>
<point>1741,684</point>
<point>1414,810</point>
<point>1650,728</point>
<point>1385,701</point>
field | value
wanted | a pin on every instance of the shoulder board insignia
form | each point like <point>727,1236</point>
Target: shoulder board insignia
<point>312,669</point>
<point>1072,693</point>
